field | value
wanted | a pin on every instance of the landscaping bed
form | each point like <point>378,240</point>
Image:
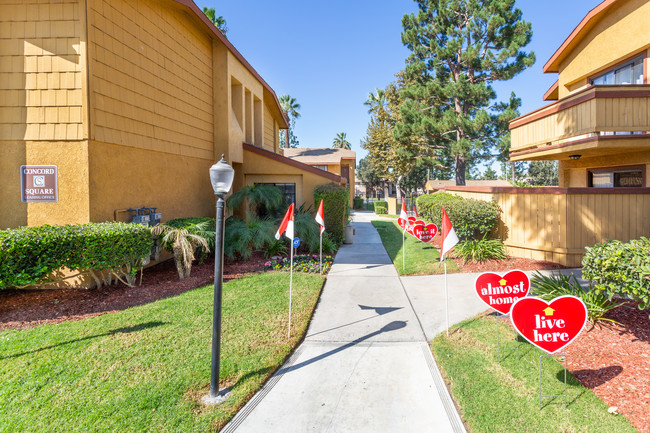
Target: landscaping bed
<point>26,308</point>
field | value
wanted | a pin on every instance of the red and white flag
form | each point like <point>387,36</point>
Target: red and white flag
<point>286,226</point>
<point>404,216</point>
<point>449,238</point>
<point>416,212</point>
<point>320,217</point>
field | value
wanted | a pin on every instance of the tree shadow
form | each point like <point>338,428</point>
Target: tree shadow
<point>379,310</point>
<point>124,330</point>
<point>594,378</point>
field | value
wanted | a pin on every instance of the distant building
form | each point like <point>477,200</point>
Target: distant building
<point>436,185</point>
<point>340,162</point>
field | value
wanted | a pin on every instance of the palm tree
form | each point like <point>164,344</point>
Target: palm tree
<point>376,101</point>
<point>182,243</point>
<point>256,196</point>
<point>340,141</point>
<point>290,108</point>
<point>218,21</point>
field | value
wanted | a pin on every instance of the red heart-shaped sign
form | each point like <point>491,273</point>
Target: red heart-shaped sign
<point>500,292</point>
<point>425,233</point>
<point>551,326</point>
<point>411,220</point>
<point>401,222</point>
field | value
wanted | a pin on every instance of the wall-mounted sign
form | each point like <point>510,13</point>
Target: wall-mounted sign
<point>500,292</point>
<point>551,326</point>
<point>38,183</point>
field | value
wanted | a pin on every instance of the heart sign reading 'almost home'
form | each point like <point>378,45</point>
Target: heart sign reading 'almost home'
<point>500,292</point>
<point>551,326</point>
<point>425,233</point>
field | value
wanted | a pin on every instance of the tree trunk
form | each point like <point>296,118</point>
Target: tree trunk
<point>178,259</point>
<point>460,170</point>
<point>398,188</point>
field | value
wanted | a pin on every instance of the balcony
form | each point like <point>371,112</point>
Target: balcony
<point>598,120</point>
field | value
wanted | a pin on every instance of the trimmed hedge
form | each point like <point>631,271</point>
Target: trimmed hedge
<point>335,206</point>
<point>357,203</point>
<point>381,207</point>
<point>620,269</point>
<point>28,255</point>
<point>472,219</point>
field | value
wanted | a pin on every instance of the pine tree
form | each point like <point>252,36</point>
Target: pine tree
<point>458,48</point>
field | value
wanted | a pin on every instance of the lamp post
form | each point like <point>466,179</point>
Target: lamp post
<point>221,176</point>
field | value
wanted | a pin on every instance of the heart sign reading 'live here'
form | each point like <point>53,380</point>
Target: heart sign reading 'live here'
<point>500,292</point>
<point>551,326</point>
<point>425,233</point>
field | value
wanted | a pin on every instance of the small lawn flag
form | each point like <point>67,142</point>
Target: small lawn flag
<point>449,239</point>
<point>286,227</point>
<point>416,212</point>
<point>320,219</point>
<point>405,217</point>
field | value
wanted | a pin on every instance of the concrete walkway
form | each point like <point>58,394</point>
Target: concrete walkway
<point>365,365</point>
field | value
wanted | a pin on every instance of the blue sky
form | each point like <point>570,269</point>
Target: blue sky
<point>329,55</point>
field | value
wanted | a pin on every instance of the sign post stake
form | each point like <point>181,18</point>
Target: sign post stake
<point>540,379</point>
<point>290,288</point>
<point>499,348</point>
<point>446,298</point>
<point>320,266</point>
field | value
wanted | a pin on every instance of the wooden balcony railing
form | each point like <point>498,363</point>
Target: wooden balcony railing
<point>587,113</point>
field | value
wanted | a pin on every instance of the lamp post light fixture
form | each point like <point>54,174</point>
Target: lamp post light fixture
<point>221,176</point>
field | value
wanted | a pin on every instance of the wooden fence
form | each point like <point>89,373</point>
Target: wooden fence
<point>556,224</point>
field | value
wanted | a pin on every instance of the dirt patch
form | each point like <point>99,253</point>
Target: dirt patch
<point>614,362</point>
<point>28,308</point>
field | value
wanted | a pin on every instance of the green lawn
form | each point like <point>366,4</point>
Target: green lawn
<point>503,397</point>
<point>421,258</point>
<point>146,368</point>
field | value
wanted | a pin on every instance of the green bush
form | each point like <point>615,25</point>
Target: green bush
<point>29,255</point>
<point>472,219</point>
<point>381,207</point>
<point>335,206</point>
<point>358,203</point>
<point>620,269</point>
<point>481,250</point>
<point>202,226</point>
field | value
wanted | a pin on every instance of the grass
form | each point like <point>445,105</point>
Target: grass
<point>421,258</point>
<point>503,397</point>
<point>146,368</point>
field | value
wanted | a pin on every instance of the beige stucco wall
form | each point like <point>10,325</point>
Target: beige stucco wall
<point>574,173</point>
<point>42,52</point>
<point>622,32</point>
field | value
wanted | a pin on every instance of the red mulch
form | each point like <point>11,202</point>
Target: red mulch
<point>28,308</point>
<point>614,362</point>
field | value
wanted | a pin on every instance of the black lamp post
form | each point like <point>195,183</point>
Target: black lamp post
<point>221,176</point>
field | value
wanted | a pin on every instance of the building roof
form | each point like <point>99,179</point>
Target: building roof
<point>577,34</point>
<point>440,184</point>
<point>315,156</point>
<point>218,35</point>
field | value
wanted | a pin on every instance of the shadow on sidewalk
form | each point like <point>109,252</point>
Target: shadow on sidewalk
<point>392,326</point>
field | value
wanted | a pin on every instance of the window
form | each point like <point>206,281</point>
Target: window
<point>624,178</point>
<point>288,191</point>
<point>320,167</point>
<point>629,73</point>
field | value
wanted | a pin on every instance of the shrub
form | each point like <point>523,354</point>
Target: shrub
<point>335,205</point>
<point>29,255</point>
<point>358,203</point>
<point>550,287</point>
<point>620,269</point>
<point>381,207</point>
<point>201,226</point>
<point>242,237</point>
<point>472,219</point>
<point>481,250</point>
